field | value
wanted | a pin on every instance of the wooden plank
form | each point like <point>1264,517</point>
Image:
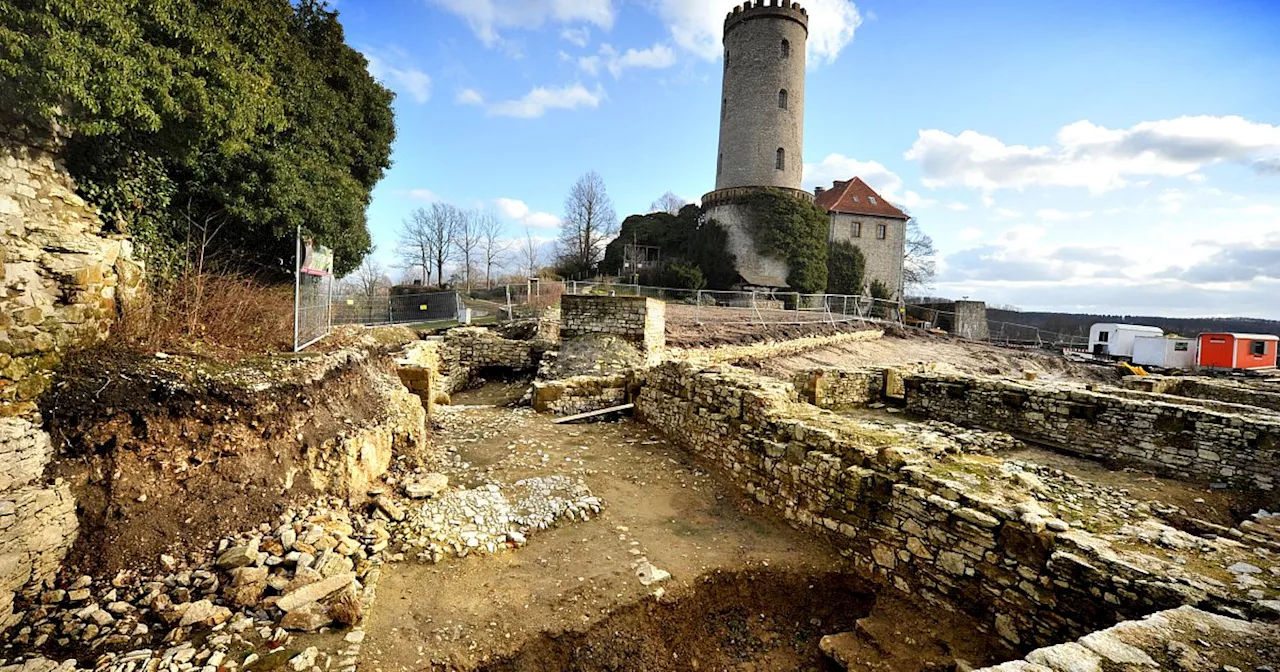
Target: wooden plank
<point>592,414</point>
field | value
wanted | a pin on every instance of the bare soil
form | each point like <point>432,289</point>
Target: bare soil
<point>905,348</point>
<point>158,463</point>
<point>747,591</point>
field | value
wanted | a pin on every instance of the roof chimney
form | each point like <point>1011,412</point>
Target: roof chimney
<point>817,191</point>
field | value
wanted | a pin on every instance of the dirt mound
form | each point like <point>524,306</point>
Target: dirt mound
<point>760,619</point>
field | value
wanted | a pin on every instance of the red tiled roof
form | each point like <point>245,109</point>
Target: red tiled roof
<point>854,197</point>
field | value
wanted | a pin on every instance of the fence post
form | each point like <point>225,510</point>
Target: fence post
<point>510,311</point>
<point>697,309</point>
<point>297,281</point>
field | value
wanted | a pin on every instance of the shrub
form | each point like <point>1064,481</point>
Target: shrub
<point>225,314</point>
<point>845,268</point>
<point>684,275</point>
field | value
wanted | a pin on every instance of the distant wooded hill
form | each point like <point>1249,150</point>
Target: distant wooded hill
<point>1078,325</point>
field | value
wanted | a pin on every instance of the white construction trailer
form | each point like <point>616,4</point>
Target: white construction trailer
<point>1165,352</point>
<point>1112,340</point>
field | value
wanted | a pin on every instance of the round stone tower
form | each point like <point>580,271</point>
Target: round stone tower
<point>762,105</point>
<point>761,125</point>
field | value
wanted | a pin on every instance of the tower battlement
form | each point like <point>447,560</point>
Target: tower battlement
<point>753,9</point>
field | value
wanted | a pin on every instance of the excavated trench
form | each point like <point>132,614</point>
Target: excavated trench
<point>762,620</point>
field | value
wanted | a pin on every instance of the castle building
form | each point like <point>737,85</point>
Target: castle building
<point>762,147</point>
<point>879,228</point>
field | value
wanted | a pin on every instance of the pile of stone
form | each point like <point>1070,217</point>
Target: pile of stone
<point>303,573</point>
<point>457,523</point>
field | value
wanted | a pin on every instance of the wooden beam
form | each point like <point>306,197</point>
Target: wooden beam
<point>592,414</point>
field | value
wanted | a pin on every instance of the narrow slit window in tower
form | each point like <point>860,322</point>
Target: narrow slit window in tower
<point>782,99</point>
<point>782,159</point>
<point>786,49</point>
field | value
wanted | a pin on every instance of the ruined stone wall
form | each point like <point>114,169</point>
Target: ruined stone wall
<point>1033,580</point>
<point>1185,441</point>
<point>435,369</point>
<point>839,389</point>
<point>61,284</point>
<point>62,279</point>
<point>582,394</point>
<point>637,320</point>
<point>37,518</point>
<point>1185,638</point>
<point>1260,395</point>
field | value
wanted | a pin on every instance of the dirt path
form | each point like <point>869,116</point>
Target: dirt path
<point>959,355</point>
<point>457,614</point>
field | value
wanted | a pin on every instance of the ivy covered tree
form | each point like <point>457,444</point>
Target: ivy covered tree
<point>687,242</point>
<point>255,114</point>
<point>795,230</point>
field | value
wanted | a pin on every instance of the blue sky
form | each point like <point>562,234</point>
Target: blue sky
<point>1080,156</point>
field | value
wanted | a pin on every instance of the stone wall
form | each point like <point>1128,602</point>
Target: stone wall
<point>435,369</point>
<point>637,320</point>
<point>62,279</point>
<point>1185,441</point>
<point>1029,577</point>
<point>581,394</point>
<point>840,389</point>
<point>37,518</point>
<point>1226,390</point>
<point>1185,638</point>
<point>966,319</point>
<point>756,269</point>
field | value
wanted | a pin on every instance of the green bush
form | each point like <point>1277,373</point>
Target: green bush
<point>688,239</point>
<point>684,275</point>
<point>846,267</point>
<point>795,230</point>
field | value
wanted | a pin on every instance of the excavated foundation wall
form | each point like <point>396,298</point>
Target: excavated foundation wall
<point>175,453</point>
<point>435,369</point>
<point>902,526</point>
<point>1182,440</point>
<point>1229,391</point>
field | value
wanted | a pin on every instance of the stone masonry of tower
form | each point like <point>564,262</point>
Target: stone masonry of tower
<point>761,124</point>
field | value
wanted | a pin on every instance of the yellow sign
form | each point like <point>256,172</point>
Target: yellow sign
<point>422,307</point>
<point>351,302</point>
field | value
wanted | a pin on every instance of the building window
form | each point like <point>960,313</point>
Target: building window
<point>786,49</point>
<point>1104,336</point>
<point>881,231</point>
<point>855,229</point>
<point>1258,348</point>
<point>782,159</point>
<point>782,99</point>
<point>872,199</point>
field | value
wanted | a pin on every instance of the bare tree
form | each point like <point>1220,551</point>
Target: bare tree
<point>530,255</point>
<point>918,265</point>
<point>414,247</point>
<point>440,229</point>
<point>589,222</point>
<point>466,240</point>
<point>668,203</point>
<point>369,277</point>
<point>492,245</point>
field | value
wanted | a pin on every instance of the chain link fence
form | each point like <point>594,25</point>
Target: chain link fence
<point>406,307</point>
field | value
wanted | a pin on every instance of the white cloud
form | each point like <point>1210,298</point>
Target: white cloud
<point>538,101</point>
<point>969,234</point>
<point>519,211</point>
<point>838,167</point>
<point>657,57</point>
<point>1007,213</point>
<point>1055,215</point>
<point>1097,158</point>
<point>511,208</point>
<point>488,17</point>
<point>578,37</point>
<point>957,206</point>
<point>469,97</point>
<point>396,70</point>
<point>697,26</point>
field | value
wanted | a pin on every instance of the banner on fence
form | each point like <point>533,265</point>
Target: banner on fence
<point>316,259</point>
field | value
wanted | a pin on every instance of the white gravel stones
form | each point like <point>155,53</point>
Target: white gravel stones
<point>461,522</point>
<point>427,486</point>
